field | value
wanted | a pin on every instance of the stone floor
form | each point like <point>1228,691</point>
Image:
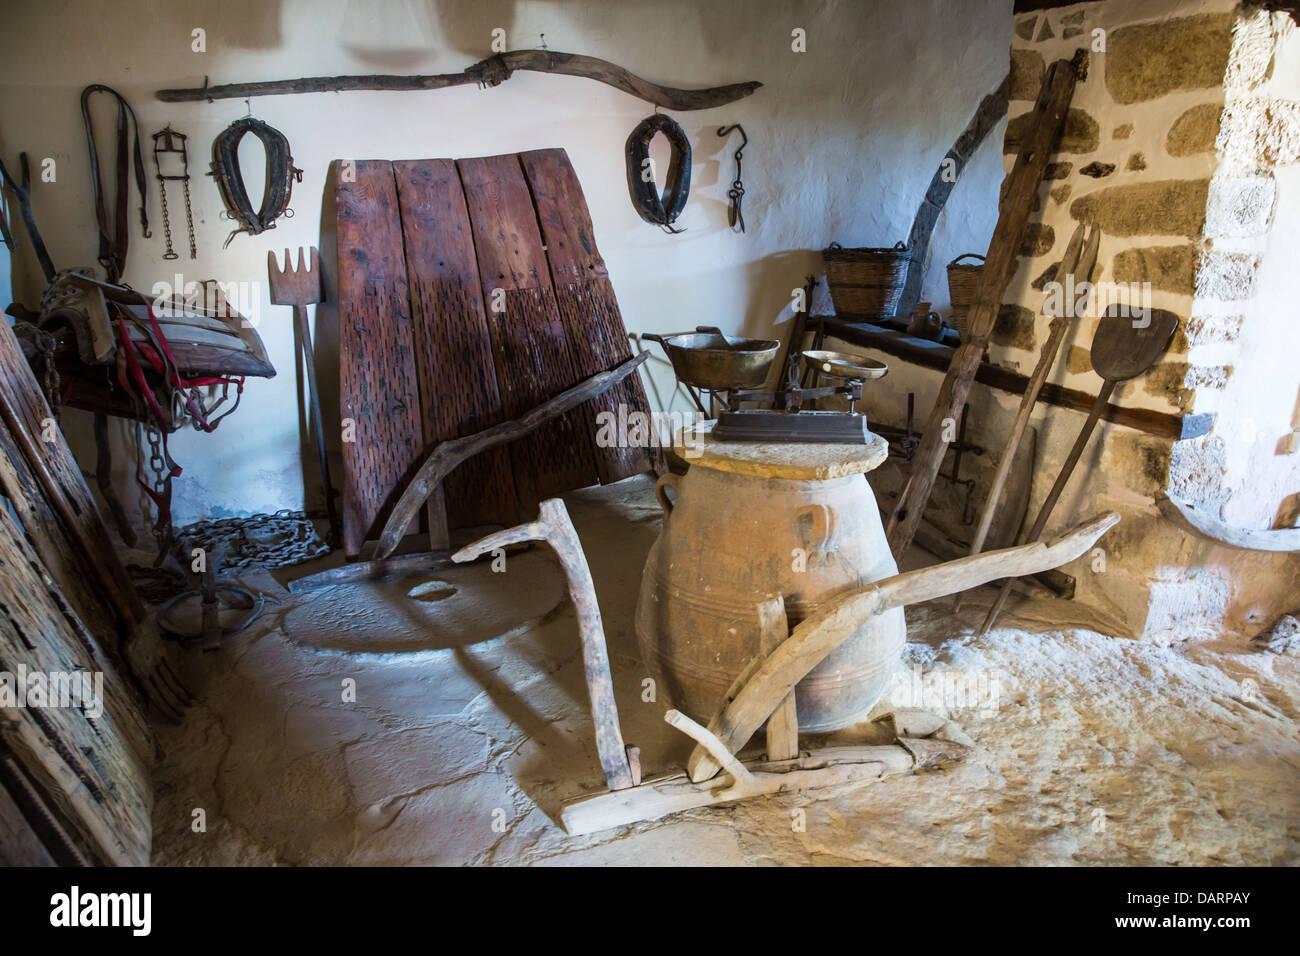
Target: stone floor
<point>469,727</point>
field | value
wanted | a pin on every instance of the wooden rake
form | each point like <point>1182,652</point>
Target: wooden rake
<point>301,287</point>
<point>1077,266</point>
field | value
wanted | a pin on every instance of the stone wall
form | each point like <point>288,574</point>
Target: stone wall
<point>1175,145</point>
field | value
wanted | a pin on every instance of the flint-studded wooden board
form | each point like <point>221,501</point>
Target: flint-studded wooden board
<point>593,324</point>
<point>378,382</point>
<point>507,304</point>
<point>528,335</point>
<point>453,348</point>
<point>84,767</point>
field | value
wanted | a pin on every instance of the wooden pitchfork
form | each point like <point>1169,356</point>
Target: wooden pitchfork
<point>1077,266</point>
<point>301,287</point>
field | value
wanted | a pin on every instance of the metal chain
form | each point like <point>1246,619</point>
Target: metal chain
<point>167,226</point>
<point>189,217</point>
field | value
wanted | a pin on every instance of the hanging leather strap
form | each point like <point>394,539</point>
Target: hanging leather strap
<point>114,235</point>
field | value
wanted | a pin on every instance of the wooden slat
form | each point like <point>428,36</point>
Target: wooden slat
<point>585,296</point>
<point>378,382</point>
<point>528,336</point>
<point>453,348</point>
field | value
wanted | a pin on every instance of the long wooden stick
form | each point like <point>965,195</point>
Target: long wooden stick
<point>835,621</point>
<point>490,72</point>
<point>1049,503</point>
<point>1013,214</point>
<point>451,453</point>
<point>554,527</point>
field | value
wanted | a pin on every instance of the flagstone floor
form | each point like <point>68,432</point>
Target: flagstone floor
<point>442,719</point>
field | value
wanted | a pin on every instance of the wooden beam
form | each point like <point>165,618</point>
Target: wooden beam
<point>933,355</point>
<point>991,109</point>
<point>490,72</point>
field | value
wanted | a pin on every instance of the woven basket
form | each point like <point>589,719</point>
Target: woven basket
<point>963,281</point>
<point>866,281</point>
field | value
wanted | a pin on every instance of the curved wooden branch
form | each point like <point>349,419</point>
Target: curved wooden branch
<point>835,621</point>
<point>451,453</point>
<point>489,72</point>
<point>1188,517</point>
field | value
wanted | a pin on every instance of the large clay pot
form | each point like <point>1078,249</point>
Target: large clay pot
<point>749,522</point>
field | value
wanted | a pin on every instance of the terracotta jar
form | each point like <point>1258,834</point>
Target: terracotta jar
<point>750,521</point>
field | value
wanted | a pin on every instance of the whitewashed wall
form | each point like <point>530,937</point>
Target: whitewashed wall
<point>843,141</point>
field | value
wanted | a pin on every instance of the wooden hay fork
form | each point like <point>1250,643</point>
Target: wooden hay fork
<point>301,287</point>
<point>766,690</point>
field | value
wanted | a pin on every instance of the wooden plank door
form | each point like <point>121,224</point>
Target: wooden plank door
<point>378,383</point>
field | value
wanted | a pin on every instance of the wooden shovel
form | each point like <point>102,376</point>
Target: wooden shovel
<point>1076,267</point>
<point>1123,347</point>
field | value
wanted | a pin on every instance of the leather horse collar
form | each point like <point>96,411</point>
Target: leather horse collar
<point>650,205</point>
<point>280,175</point>
<point>114,235</point>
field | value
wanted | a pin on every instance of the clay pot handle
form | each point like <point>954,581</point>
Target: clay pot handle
<point>666,481</point>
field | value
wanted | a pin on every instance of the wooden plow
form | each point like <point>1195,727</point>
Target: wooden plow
<point>714,774</point>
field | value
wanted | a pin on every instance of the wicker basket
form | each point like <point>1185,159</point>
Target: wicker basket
<point>866,282</point>
<point>963,281</point>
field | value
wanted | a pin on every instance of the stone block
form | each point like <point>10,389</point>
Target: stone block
<point>1078,360</point>
<point>1015,328</point>
<point>1150,60</point>
<point>1194,131</point>
<point>1027,70</point>
<point>1167,268</point>
<point>1057,170</point>
<point>1025,27</point>
<point>1061,193</point>
<point>1226,276</point>
<point>1098,170</point>
<point>1168,207</point>
<point>1213,329</point>
<point>1079,134</point>
<point>1136,163</point>
<point>1123,131</point>
<point>1240,206</point>
<point>1037,240</point>
<point>1138,461</point>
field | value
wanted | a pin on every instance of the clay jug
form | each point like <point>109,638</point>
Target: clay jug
<point>749,522</point>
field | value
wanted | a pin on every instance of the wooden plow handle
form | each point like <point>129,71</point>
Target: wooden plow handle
<point>619,762</point>
<point>835,621</point>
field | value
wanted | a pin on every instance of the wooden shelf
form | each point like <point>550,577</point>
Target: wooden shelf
<point>938,356</point>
